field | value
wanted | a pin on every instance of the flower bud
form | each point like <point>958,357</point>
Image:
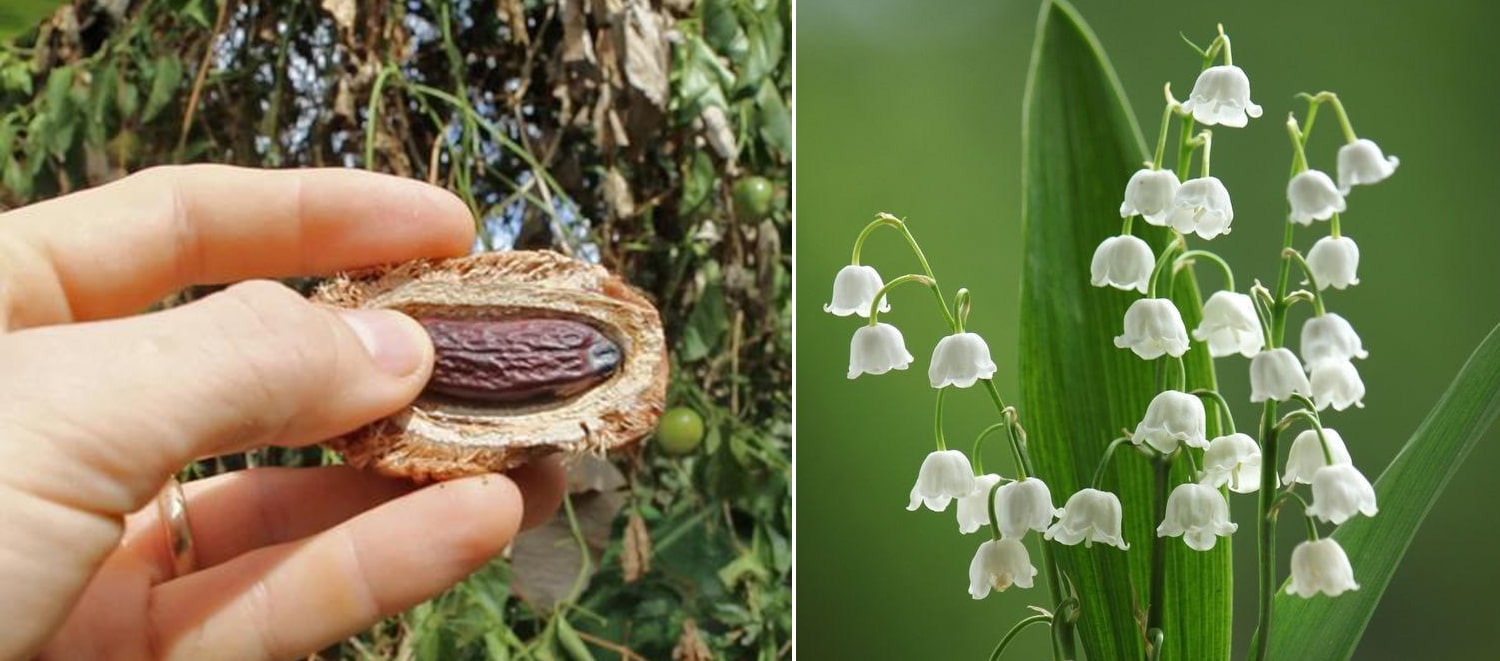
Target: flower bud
<point>876,350</point>
<point>1123,262</point>
<point>1230,326</point>
<point>945,475</point>
<point>1221,97</point>
<point>1334,262</point>
<point>960,360</point>
<point>999,564</point>
<point>1320,565</point>
<point>1089,516</point>
<point>1339,492</point>
<point>1313,197</point>
<point>1150,193</point>
<point>1199,514</point>
<point>1361,162</point>
<point>1172,418</point>
<point>1153,327</point>
<point>1202,205</point>
<point>854,289</point>
<point>1276,374</point>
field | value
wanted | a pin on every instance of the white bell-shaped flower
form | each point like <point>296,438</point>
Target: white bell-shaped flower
<point>1089,516</point>
<point>1153,327</point>
<point>960,360</point>
<point>1306,455</point>
<point>854,289</point>
<point>1199,514</point>
<point>1277,374</point>
<point>945,475</point>
<point>1221,97</point>
<point>974,509</point>
<point>1230,326</point>
<point>1339,492</point>
<point>1173,418</point>
<point>1150,194</point>
<point>1233,460</point>
<point>1337,385</point>
<point>1361,162</point>
<point>1313,197</point>
<point>1023,505</point>
<point>1202,205</point>
<point>999,564</point>
<point>876,350</point>
<point>1320,565</point>
<point>1123,262</point>
<point>1334,262</point>
<point>1328,338</point>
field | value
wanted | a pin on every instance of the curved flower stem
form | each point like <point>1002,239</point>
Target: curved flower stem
<point>961,309</point>
<point>1154,608</point>
<point>1109,451</point>
<point>1312,526</point>
<point>1291,253</point>
<point>885,219</point>
<point>1228,50</point>
<point>881,220</point>
<point>1062,623</point>
<point>1009,636</point>
<point>994,520</point>
<point>1314,100</point>
<point>1225,416</point>
<point>1299,139</point>
<point>1188,256</point>
<point>1181,374</point>
<point>1166,127</point>
<point>910,277</point>
<point>979,442</point>
<point>1315,423</point>
<point>1178,243</point>
<point>937,423</point>
<point>1333,226</point>
<point>1206,138</point>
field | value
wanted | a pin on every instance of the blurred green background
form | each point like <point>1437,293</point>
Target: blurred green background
<point>915,108</point>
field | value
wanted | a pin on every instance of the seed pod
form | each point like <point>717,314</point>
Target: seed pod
<point>536,353</point>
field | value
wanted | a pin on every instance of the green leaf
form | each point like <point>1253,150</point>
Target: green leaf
<point>165,78</point>
<point>18,16</point>
<point>1081,144</point>
<point>1324,628</point>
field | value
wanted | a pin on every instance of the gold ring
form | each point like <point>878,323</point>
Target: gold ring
<point>171,510</point>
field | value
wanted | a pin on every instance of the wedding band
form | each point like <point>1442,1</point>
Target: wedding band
<point>171,510</point>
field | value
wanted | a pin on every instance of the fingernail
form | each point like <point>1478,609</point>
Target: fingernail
<point>396,344</point>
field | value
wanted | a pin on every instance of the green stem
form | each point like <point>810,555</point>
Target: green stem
<point>1228,49</point>
<point>1005,642</point>
<point>994,519</point>
<point>1208,147</point>
<point>1317,292</point>
<point>927,269</point>
<point>1166,127</point>
<point>1266,530</point>
<point>1181,374</point>
<point>937,422</point>
<point>1312,527</point>
<point>961,309</point>
<point>910,277</point>
<point>979,442</point>
<point>1338,109</point>
<point>1210,256</point>
<point>1109,451</point>
<point>1333,226</point>
<point>1299,152</point>
<point>1161,263</point>
<point>1225,415</point>
<point>1154,609</point>
<point>882,220</point>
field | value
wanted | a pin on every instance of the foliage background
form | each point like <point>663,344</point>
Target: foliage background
<point>916,111</point>
<point>615,130</point>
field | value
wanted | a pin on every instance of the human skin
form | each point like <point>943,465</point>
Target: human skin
<point>100,405</point>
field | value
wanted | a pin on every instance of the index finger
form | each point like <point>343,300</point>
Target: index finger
<point>115,249</point>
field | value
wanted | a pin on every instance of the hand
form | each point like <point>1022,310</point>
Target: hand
<point>98,409</point>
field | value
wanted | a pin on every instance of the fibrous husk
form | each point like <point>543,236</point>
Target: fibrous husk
<point>440,438</point>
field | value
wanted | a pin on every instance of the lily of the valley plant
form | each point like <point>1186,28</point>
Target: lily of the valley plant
<point>1314,475</point>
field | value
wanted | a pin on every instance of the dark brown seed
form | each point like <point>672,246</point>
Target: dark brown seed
<point>518,360</point>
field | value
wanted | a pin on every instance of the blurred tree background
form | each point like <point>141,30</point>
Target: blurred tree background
<point>652,136</point>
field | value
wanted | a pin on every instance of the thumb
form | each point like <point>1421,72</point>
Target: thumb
<point>98,415</point>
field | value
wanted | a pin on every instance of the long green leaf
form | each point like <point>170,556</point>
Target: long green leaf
<point>18,16</point>
<point>1081,144</point>
<point>1324,628</point>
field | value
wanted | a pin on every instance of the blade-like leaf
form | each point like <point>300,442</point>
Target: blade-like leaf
<point>1323,628</point>
<point>18,16</point>
<point>1081,144</point>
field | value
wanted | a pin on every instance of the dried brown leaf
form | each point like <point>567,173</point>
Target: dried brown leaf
<point>342,11</point>
<point>635,559</point>
<point>690,646</point>
<point>547,560</point>
<point>647,52</point>
<point>577,45</point>
<point>617,194</point>
<point>720,135</point>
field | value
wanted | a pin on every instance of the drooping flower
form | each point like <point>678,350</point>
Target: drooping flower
<point>999,564</point>
<point>1328,338</point>
<point>1334,262</point>
<point>1150,193</point>
<point>1153,327</point>
<point>1313,197</point>
<point>1233,460</point>
<point>1202,205</point>
<point>876,350</point>
<point>974,509</point>
<point>1337,384</point>
<point>854,289</point>
<point>1230,326</point>
<point>1172,418</point>
<point>960,360</point>
<point>1320,565</point>
<point>1023,505</point>
<point>1199,514</point>
<point>1123,262</point>
<point>1276,374</point>
<point>1089,516</point>
<point>1362,162</point>
<point>1306,455</point>
<point>1339,492</point>
<point>1221,97</point>
<point>945,475</point>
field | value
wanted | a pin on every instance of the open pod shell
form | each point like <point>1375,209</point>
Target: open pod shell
<point>440,437</point>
